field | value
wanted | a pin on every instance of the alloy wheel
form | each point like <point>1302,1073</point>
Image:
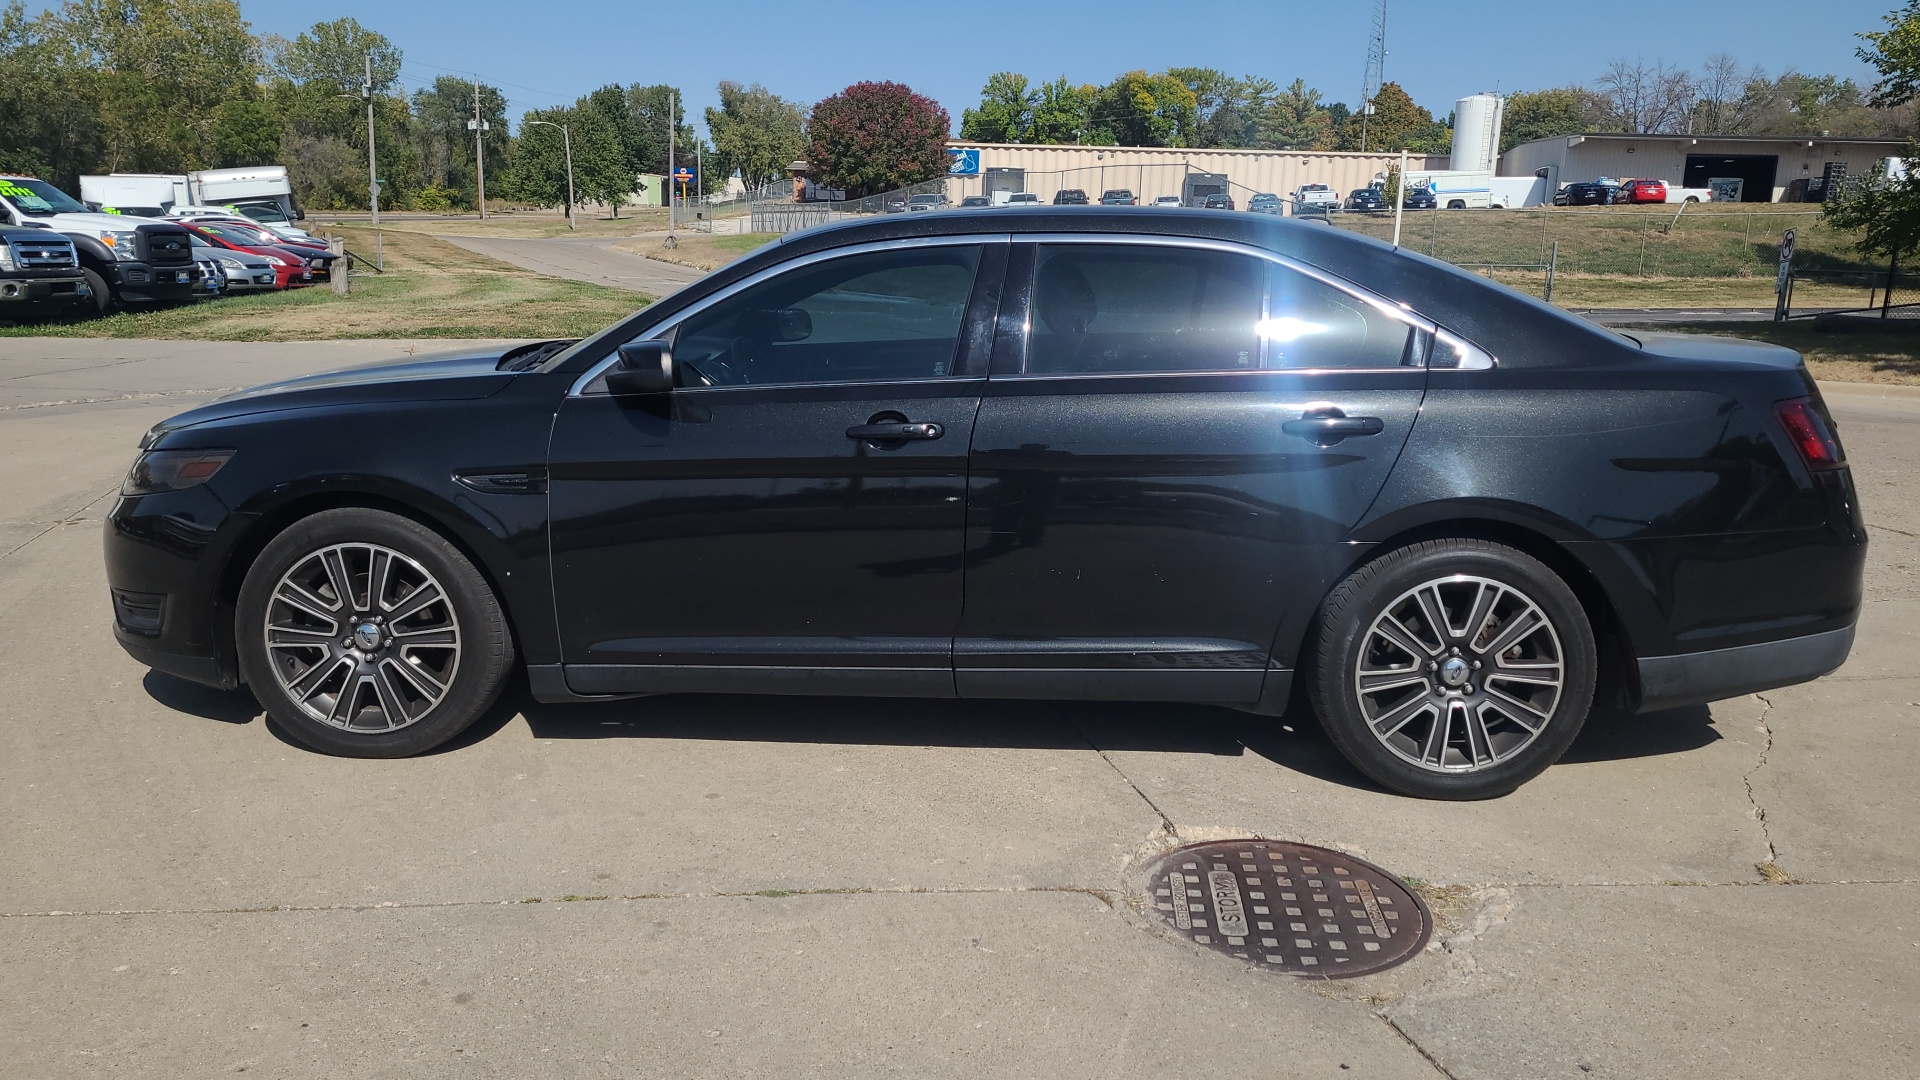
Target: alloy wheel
<point>362,638</point>
<point>1459,674</point>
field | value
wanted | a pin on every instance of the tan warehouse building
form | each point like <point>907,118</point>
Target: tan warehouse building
<point>1152,171</point>
<point>1771,168</point>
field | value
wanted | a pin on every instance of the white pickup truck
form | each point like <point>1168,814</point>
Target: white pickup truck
<point>1315,199</point>
<point>125,259</point>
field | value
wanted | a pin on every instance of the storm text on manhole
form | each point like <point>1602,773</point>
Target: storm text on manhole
<point>1304,910</point>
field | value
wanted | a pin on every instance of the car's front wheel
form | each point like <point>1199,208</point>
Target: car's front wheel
<point>366,634</point>
<point>1454,669</point>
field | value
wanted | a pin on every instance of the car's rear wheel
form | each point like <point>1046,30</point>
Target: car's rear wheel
<point>1454,669</point>
<point>366,634</point>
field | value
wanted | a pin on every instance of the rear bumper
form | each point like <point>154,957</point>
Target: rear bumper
<point>1696,678</point>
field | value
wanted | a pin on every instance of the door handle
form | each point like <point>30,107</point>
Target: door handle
<point>886,432</point>
<point>1327,425</point>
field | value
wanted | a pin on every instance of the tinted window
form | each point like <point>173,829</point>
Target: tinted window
<point>1311,324</point>
<point>861,318</point>
<point>1119,308</point>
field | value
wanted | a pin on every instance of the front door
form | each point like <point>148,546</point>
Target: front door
<point>1164,464</point>
<point>766,526</point>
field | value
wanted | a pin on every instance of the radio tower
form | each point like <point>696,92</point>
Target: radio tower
<point>1376,62</point>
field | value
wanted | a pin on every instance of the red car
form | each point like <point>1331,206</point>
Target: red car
<point>318,259</point>
<point>290,267</point>
<point>1638,191</point>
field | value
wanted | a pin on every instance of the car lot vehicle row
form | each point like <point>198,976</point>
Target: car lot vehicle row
<point>195,252</point>
<point>1062,453</point>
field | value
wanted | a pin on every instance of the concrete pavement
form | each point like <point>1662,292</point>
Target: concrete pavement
<point>740,886</point>
<point>585,258</point>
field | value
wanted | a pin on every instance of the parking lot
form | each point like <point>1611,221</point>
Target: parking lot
<point>743,886</point>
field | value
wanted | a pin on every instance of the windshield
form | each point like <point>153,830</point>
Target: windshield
<point>239,234</point>
<point>269,214</point>
<point>37,198</point>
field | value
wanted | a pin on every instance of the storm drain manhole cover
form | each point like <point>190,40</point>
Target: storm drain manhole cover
<point>1303,910</point>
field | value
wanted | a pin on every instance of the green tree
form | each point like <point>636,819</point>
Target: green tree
<point>755,133</point>
<point>1227,108</point>
<point>49,115</point>
<point>1296,119</point>
<point>539,172</point>
<point>877,136</point>
<point>1542,114</point>
<point>443,144</point>
<point>602,172</point>
<point>1396,123</point>
<point>1138,109</point>
<point>1005,114</point>
<point>1895,54</point>
<point>163,68</point>
<point>655,109</point>
<point>1060,112</point>
<point>335,54</point>
<point>246,131</point>
<point>1886,213</point>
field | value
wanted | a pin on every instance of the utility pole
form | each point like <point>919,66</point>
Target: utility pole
<point>373,168</point>
<point>480,128</point>
<point>673,107</point>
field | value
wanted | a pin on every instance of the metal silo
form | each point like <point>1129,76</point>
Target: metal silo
<point>1476,132</point>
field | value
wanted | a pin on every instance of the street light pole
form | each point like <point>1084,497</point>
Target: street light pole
<point>373,169</point>
<point>566,139</point>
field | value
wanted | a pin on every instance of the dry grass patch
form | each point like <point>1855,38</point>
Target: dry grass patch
<point>431,290</point>
<point>701,251</point>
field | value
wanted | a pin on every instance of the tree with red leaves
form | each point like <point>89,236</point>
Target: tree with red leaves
<point>877,136</point>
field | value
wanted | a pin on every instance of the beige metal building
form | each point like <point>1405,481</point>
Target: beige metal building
<point>1769,166</point>
<point>1152,171</point>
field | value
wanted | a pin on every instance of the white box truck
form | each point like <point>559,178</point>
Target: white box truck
<point>265,187</point>
<point>1465,189</point>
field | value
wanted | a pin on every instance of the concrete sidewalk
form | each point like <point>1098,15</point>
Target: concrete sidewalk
<point>747,887</point>
<point>591,259</point>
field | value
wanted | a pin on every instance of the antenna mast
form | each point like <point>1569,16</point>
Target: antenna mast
<point>1376,63</point>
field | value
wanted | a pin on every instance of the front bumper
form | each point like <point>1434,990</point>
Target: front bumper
<point>1667,682</point>
<point>53,289</point>
<point>139,282</point>
<point>201,669</point>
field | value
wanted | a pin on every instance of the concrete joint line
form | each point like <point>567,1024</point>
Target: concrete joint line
<point>1166,823</point>
<point>144,396</point>
<point>1104,896</point>
<point>1415,1043</point>
<point>1891,529</point>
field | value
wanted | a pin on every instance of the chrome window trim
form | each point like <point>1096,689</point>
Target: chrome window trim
<point>1475,357</point>
<point>584,385</point>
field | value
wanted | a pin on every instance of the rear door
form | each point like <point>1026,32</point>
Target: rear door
<point>1176,436</point>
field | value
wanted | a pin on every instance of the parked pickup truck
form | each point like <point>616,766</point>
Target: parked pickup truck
<point>1315,199</point>
<point>125,260</point>
<point>39,272</point>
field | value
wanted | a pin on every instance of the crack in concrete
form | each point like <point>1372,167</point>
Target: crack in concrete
<point>74,518</point>
<point>1105,896</point>
<point>1769,870</point>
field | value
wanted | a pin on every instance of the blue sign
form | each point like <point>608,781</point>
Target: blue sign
<point>963,163</point>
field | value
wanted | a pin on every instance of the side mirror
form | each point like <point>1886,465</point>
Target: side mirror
<point>299,214</point>
<point>645,367</point>
<point>794,324</point>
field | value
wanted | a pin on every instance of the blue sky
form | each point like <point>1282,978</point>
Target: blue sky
<point>549,53</point>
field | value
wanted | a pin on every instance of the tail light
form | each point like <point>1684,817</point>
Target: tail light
<point>1807,430</point>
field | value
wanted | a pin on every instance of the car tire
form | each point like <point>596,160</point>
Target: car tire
<point>379,667</point>
<point>102,299</point>
<point>1385,674</point>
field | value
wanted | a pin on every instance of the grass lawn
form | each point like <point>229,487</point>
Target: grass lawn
<point>536,225</point>
<point>700,250</point>
<point>431,290</point>
<point>1865,355</point>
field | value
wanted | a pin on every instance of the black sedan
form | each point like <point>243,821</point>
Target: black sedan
<point>1113,454</point>
<point>1420,198</point>
<point>1366,198</point>
<point>1590,193</point>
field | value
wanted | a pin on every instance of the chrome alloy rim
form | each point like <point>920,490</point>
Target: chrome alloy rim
<point>362,637</point>
<point>1459,674</point>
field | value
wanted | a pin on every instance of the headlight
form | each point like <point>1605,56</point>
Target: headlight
<point>230,262</point>
<point>274,260</point>
<point>122,243</point>
<point>172,470</point>
<point>6,257</point>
